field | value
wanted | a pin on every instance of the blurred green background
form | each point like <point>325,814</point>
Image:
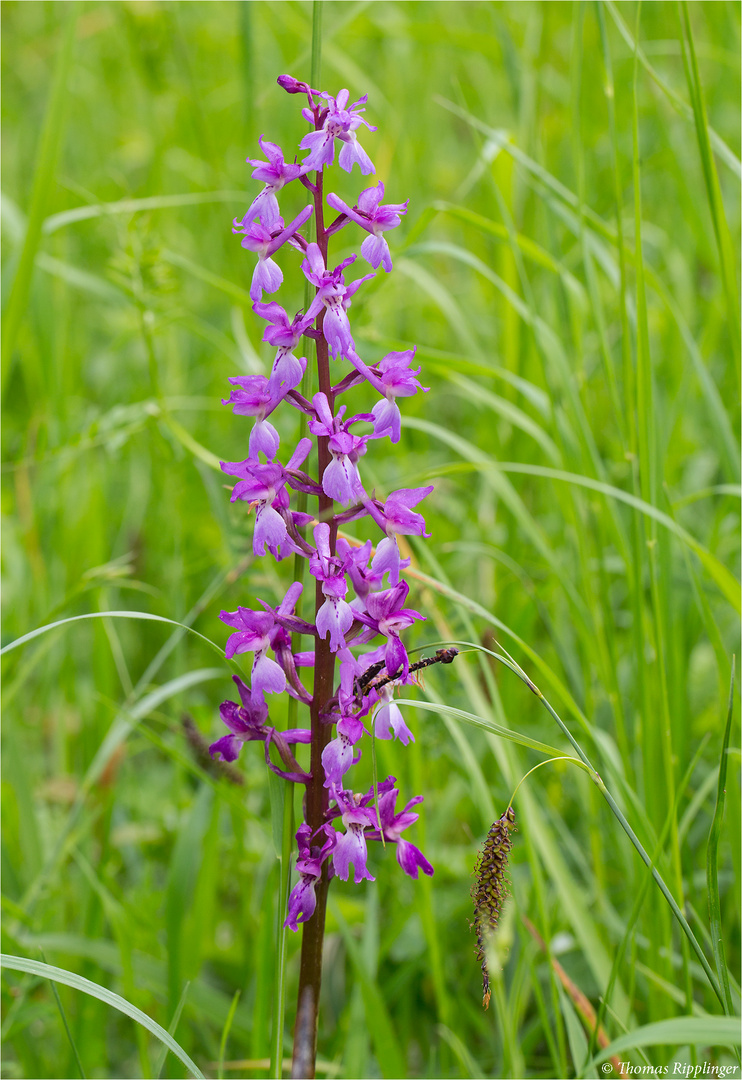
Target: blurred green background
<point>581,431</point>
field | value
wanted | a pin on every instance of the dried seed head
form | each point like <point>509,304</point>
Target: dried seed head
<point>490,888</point>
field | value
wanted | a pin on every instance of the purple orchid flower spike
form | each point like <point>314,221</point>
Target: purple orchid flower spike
<point>263,486</point>
<point>361,638</point>
<point>341,480</point>
<point>398,380</point>
<point>385,615</point>
<point>287,371</point>
<point>375,219</point>
<point>266,241</point>
<point>341,122</point>
<point>350,848</point>
<point>303,899</point>
<point>274,173</point>
<point>253,398</point>
<point>335,297</point>
<point>335,617</point>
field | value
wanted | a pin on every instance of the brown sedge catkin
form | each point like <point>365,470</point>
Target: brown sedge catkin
<point>490,889</point>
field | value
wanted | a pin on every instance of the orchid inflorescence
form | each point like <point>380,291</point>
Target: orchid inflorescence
<point>363,696</point>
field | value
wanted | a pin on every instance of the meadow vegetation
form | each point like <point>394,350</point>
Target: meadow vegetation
<point>568,270</point>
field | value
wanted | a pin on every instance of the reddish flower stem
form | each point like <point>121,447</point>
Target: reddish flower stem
<point>317,796</point>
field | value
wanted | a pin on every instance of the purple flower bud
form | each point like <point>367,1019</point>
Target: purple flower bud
<point>293,86</point>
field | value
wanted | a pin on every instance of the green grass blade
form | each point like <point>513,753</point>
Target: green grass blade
<point>711,178</point>
<point>68,1032</point>
<point>725,580</point>
<point>50,143</point>
<point>480,722</point>
<point>712,857</point>
<point>69,978</point>
<point>225,1033</point>
<point>172,1028</point>
<point>711,1031</point>
<point>145,615</point>
<point>55,222</point>
<point>724,151</point>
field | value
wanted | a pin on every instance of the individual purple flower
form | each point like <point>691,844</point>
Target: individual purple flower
<point>263,486</point>
<point>385,615</point>
<point>339,754</point>
<point>302,899</point>
<point>341,122</point>
<point>257,631</point>
<point>350,847</point>
<point>340,480</point>
<point>274,173</point>
<point>253,635</point>
<point>287,371</point>
<point>393,825</point>
<point>266,241</point>
<point>375,219</point>
<point>398,380</point>
<point>396,516</point>
<point>335,297</point>
<point>253,398</point>
<point>335,617</point>
<point>246,722</point>
<point>389,716</point>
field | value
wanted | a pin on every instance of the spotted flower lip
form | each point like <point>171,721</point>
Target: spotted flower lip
<point>341,121</point>
<point>375,219</point>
